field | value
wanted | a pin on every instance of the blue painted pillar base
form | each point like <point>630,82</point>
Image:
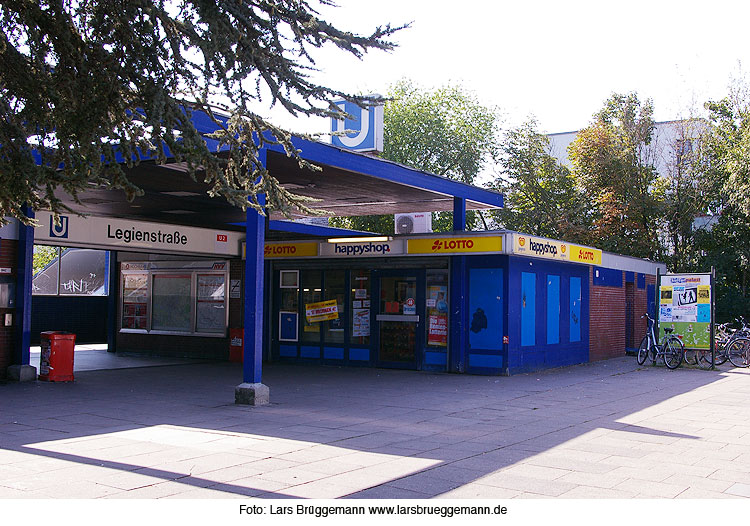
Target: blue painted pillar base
<point>251,394</point>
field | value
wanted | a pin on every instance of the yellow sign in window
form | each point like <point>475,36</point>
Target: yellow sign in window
<point>321,311</point>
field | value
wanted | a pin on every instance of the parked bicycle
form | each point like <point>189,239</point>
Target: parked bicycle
<point>730,344</point>
<point>670,349</point>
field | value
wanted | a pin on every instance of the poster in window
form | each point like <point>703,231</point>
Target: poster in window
<point>437,315</point>
<point>360,322</point>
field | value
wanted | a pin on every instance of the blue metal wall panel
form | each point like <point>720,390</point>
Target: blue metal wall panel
<point>360,355</point>
<point>288,351</point>
<point>607,277</point>
<point>309,352</point>
<point>641,281</point>
<point>333,353</point>
<point>435,358</point>
<point>541,355</point>
<point>629,277</point>
<point>575,309</point>
<point>486,326</point>
<point>553,309</point>
<point>487,361</point>
<point>528,308</point>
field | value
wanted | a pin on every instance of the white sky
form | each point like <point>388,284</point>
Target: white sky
<point>558,60</point>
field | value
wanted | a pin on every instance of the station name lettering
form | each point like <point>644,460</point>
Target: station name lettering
<point>358,250</point>
<point>130,235</point>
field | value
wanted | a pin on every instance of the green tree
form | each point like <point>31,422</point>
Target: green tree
<point>445,131</point>
<point>725,244</point>
<point>541,195</point>
<point>613,161</point>
<point>43,256</point>
<point>82,81</point>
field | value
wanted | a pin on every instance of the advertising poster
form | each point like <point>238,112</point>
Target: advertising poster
<point>685,306</point>
<point>321,311</point>
<point>437,315</point>
<point>360,322</point>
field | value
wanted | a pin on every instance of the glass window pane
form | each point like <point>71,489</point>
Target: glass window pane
<point>135,301</point>
<point>210,305</point>
<point>335,290</point>
<point>172,302</point>
<point>311,293</point>
<point>83,272</point>
<point>360,298</point>
<point>45,262</point>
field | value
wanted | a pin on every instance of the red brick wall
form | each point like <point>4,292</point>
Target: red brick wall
<point>607,317</point>
<point>606,320</point>
<point>8,259</point>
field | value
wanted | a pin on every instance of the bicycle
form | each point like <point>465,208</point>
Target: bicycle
<point>671,348</point>
<point>731,344</point>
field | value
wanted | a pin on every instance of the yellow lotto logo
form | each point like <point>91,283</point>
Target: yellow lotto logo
<point>453,245</point>
<point>588,255</point>
<point>290,250</point>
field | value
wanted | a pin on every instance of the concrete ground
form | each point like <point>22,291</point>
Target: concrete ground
<point>603,430</point>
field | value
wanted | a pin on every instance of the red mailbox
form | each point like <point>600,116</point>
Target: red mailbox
<point>56,363</point>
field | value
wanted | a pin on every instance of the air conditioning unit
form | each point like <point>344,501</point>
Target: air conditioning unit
<point>417,223</point>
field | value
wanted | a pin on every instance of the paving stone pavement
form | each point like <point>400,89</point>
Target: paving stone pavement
<point>604,430</point>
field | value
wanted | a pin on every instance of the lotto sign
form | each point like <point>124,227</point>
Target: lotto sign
<point>290,250</point>
<point>321,311</point>
<point>455,245</point>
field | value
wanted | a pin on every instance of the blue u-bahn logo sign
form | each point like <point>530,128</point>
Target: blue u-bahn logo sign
<point>59,231</point>
<point>364,131</point>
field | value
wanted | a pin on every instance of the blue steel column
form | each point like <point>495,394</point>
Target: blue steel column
<point>253,341</point>
<point>459,214</point>
<point>458,318</point>
<point>24,273</point>
<point>113,296</point>
<point>458,296</point>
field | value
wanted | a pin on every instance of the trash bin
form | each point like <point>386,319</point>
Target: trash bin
<point>236,347</point>
<point>56,362</point>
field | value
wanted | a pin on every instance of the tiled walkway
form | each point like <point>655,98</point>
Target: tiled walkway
<point>608,429</point>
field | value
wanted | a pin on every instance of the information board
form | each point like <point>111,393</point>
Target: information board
<point>685,302</point>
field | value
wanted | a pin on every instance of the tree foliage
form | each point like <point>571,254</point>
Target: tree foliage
<point>541,195</point>
<point>83,82</point>
<point>444,131</point>
<point>613,162</point>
